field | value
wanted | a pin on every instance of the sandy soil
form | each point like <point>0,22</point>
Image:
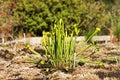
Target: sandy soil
<point>104,65</point>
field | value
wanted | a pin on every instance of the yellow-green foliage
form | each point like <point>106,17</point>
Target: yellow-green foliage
<point>60,47</point>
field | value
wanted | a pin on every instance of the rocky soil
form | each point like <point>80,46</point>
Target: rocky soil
<point>104,65</point>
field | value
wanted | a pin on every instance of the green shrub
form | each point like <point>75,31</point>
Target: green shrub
<point>39,15</point>
<point>115,19</point>
<point>114,7</point>
<point>115,26</point>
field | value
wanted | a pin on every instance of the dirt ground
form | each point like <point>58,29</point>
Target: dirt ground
<point>104,65</point>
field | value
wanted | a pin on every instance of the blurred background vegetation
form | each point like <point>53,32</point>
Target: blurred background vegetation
<point>35,16</point>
